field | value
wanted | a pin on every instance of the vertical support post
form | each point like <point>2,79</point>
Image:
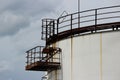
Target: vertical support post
<point>71,23</point>
<point>53,27</point>
<point>78,19</point>
<point>95,19</point>
<point>31,57</point>
<point>78,13</point>
<point>57,26</point>
<point>46,29</point>
<point>27,58</point>
<point>34,54</point>
<point>50,29</point>
<point>116,27</point>
<point>40,54</point>
<point>42,29</point>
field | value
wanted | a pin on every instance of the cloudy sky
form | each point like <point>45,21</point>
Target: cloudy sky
<point>20,30</point>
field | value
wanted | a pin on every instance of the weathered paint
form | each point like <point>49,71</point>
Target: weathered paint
<point>90,57</point>
<point>55,74</point>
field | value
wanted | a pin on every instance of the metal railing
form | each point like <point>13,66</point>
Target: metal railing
<point>48,28</point>
<point>36,54</point>
<point>91,17</point>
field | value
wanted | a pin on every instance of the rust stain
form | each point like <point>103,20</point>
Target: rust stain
<point>71,57</point>
<point>54,45</point>
<point>55,74</point>
<point>101,75</point>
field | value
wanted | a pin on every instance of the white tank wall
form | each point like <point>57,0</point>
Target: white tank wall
<point>91,57</point>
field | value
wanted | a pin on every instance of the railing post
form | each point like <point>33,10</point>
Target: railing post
<point>57,26</point>
<point>50,30</point>
<point>34,54</point>
<point>78,19</point>
<point>40,54</point>
<point>31,57</point>
<point>46,30</point>
<point>42,36</point>
<point>95,19</point>
<point>27,58</point>
<point>42,57</point>
<point>53,27</point>
<point>71,23</point>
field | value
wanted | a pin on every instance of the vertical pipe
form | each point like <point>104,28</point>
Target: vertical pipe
<point>71,49</point>
<point>101,56</point>
<point>61,62</point>
<point>71,57</point>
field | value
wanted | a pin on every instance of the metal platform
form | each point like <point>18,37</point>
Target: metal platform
<point>43,59</point>
<point>43,66</point>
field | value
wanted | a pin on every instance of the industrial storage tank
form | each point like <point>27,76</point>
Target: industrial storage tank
<point>79,48</point>
<point>93,57</point>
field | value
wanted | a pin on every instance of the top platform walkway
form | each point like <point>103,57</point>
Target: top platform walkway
<point>90,21</point>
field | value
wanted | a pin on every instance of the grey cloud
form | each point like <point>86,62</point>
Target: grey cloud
<point>16,14</point>
<point>29,7</point>
<point>4,66</point>
<point>11,23</point>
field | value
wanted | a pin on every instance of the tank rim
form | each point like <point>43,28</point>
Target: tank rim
<point>115,26</point>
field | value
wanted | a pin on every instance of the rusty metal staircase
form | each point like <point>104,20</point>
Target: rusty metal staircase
<point>43,59</point>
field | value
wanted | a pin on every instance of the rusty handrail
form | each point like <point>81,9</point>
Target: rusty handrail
<point>95,16</point>
<point>87,18</point>
<point>36,54</point>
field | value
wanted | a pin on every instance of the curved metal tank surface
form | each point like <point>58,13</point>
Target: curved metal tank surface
<point>91,57</point>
